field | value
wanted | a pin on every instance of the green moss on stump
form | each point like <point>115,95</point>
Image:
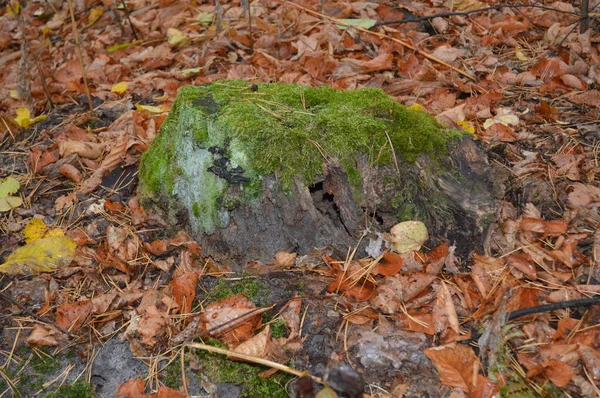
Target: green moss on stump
<point>281,125</point>
<point>286,130</point>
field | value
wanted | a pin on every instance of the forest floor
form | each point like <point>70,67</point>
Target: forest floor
<point>130,312</point>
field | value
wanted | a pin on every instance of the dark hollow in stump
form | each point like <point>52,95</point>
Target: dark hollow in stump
<point>250,170</point>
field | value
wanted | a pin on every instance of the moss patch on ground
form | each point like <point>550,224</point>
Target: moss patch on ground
<point>32,368</point>
<point>254,289</point>
<point>220,369</point>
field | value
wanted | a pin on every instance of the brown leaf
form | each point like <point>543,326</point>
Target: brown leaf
<point>41,336</point>
<point>87,150</point>
<point>558,372</point>
<point>456,364</point>
<point>399,289</point>
<point>71,173</point>
<point>257,346</point>
<point>285,259</point>
<point>152,325</point>
<point>183,290</point>
<point>523,263</point>
<point>390,264</point>
<point>132,388</point>
<point>166,392</point>
<point>73,315</point>
<point>67,201</point>
<point>444,312</point>
<point>500,132</point>
<point>591,359</point>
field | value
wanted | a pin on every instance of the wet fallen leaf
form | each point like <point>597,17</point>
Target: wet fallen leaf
<point>42,255</point>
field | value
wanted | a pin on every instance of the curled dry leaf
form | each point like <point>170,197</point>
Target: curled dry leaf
<point>41,336</point>
<point>87,150</point>
<point>71,172</point>
<point>257,346</point>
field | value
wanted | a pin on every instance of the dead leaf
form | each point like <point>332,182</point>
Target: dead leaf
<point>456,364</point>
<point>72,316</point>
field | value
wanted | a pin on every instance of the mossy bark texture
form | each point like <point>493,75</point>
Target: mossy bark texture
<point>252,169</point>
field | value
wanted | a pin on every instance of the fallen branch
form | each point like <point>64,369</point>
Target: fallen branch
<point>463,13</point>
<point>554,306</point>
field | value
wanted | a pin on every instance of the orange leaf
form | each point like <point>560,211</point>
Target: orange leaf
<point>523,263</point>
<point>132,388</point>
<point>456,364</point>
<point>183,289</point>
<point>166,392</point>
<point>390,264</point>
<point>73,315</point>
<point>558,372</point>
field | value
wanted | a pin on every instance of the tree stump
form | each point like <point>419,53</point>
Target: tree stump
<point>253,169</point>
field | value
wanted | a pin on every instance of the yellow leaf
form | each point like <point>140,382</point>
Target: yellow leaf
<point>22,118</point>
<point>467,126</point>
<point>149,108</point>
<point>416,107</point>
<point>122,46</point>
<point>8,203</point>
<point>95,15</point>
<point>13,9</point>
<point>205,18</point>
<point>408,236</point>
<point>519,54</point>
<point>42,255</point>
<point>119,88</point>
<point>8,186</point>
<point>34,230</point>
<point>175,37</point>
<point>54,232</point>
<point>14,94</point>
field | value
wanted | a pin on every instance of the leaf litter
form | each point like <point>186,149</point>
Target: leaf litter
<point>519,318</point>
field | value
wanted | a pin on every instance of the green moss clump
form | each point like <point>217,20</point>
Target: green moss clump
<point>287,129</point>
<point>80,389</point>
<point>278,329</point>
<point>220,369</point>
<point>171,375</point>
<point>196,209</point>
<point>254,289</point>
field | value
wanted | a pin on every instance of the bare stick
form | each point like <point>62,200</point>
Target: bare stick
<point>80,56</point>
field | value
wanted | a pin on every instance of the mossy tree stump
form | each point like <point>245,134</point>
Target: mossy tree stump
<point>251,170</point>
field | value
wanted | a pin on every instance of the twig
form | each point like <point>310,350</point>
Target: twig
<point>585,22</point>
<point>554,306</point>
<point>80,56</point>
<point>384,36</point>
<point>6,297</point>
<point>252,359</point>
<point>459,13</point>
